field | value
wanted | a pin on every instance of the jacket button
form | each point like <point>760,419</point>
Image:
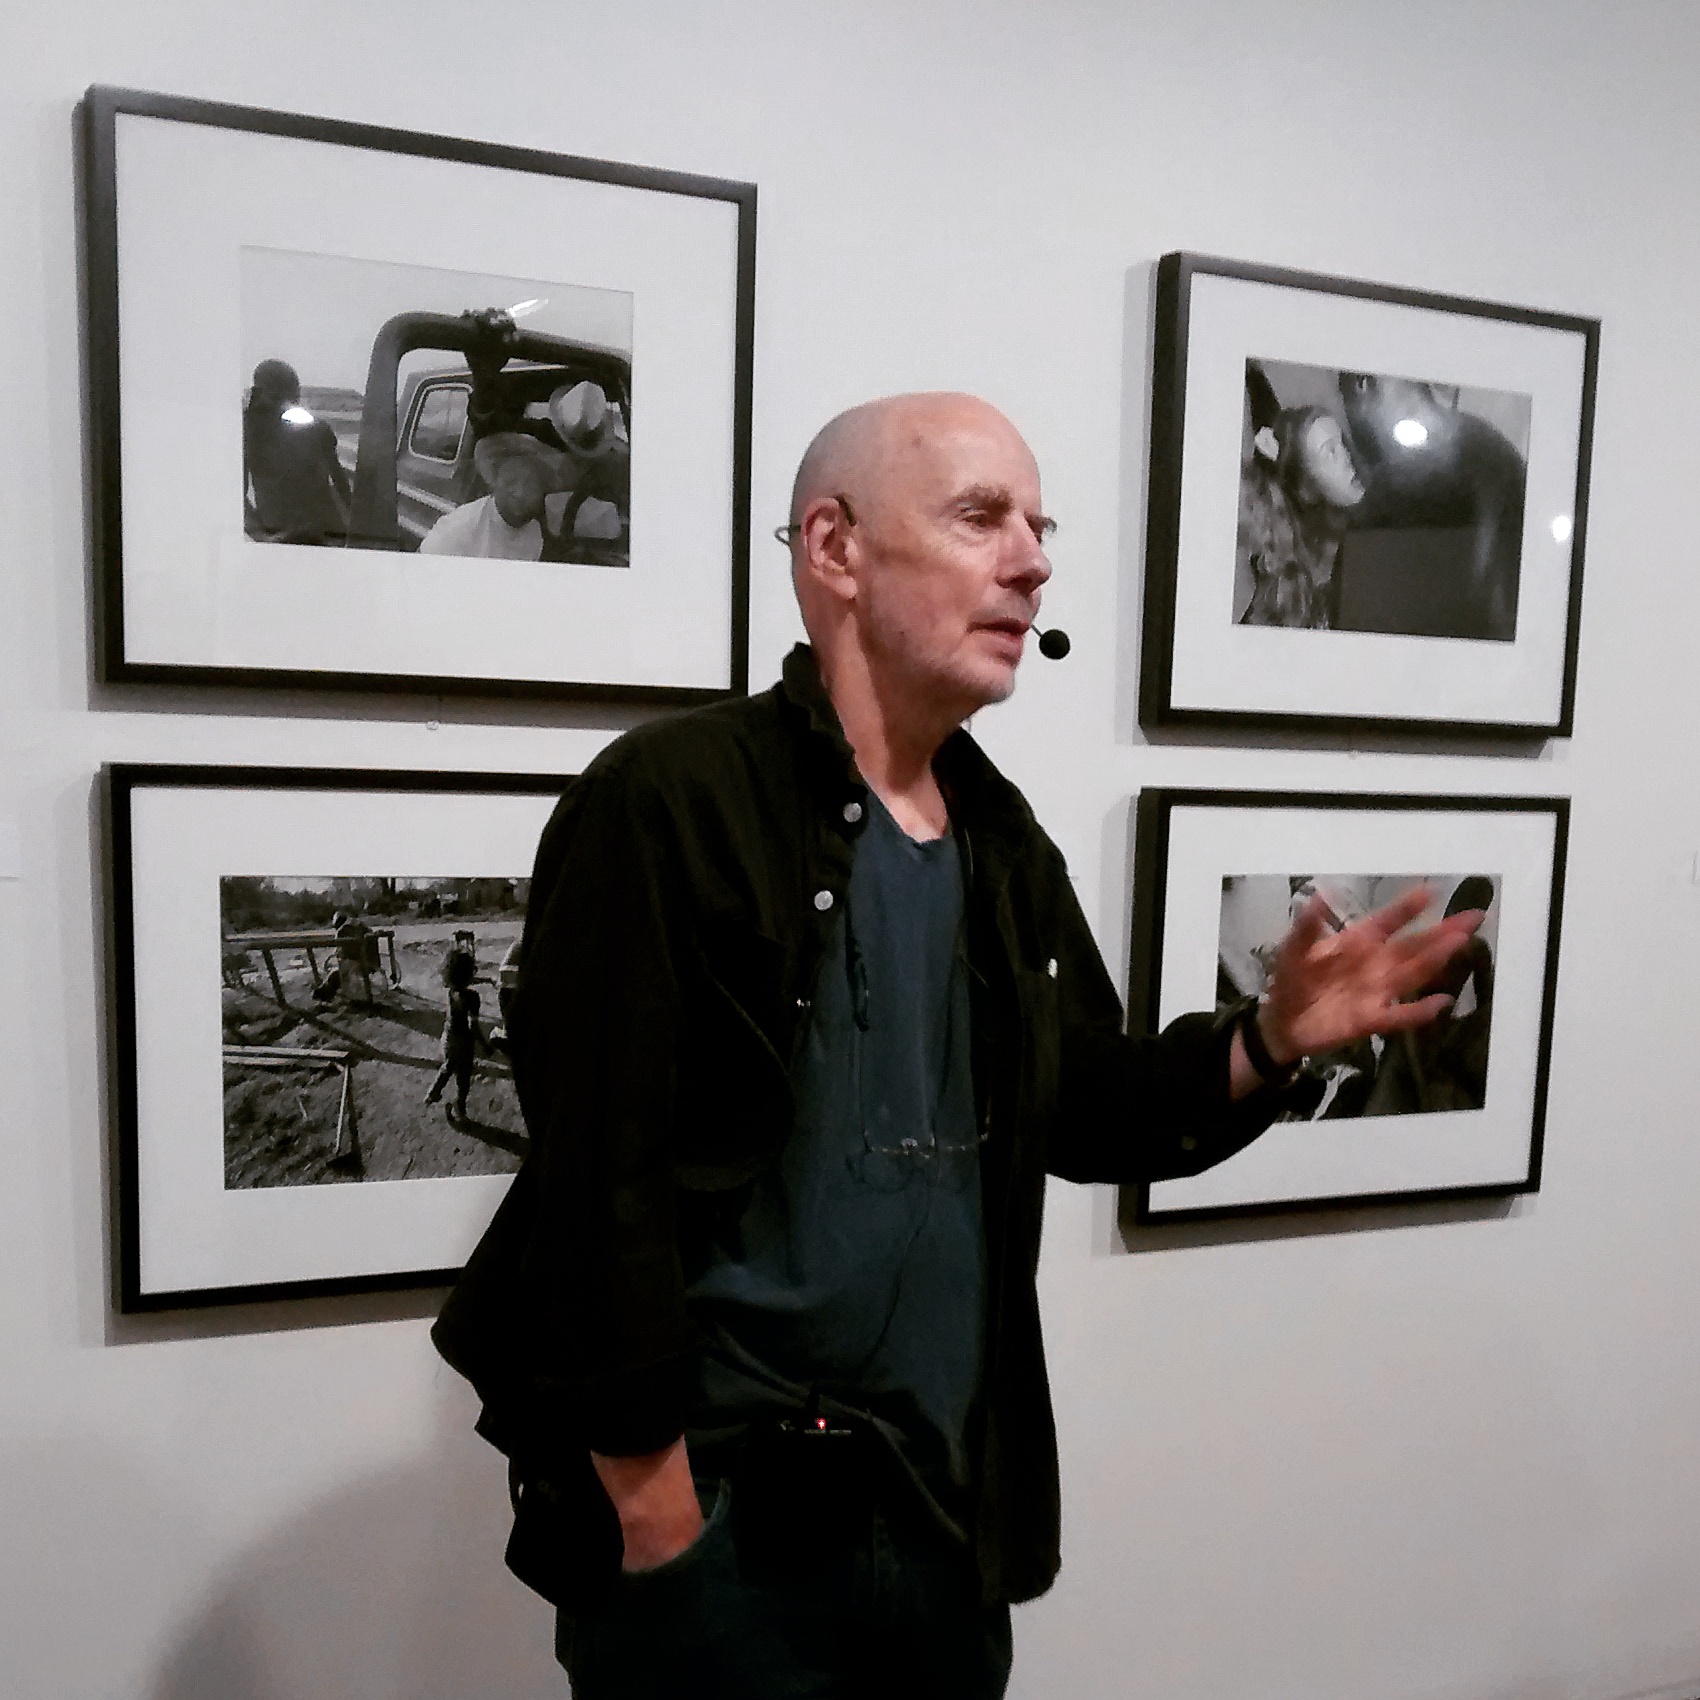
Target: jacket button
<point>1188,1143</point>
<point>852,812</point>
<point>823,901</point>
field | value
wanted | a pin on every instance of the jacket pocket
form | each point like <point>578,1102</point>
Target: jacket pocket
<point>747,967</point>
<point>1041,1039</point>
<point>716,1504</point>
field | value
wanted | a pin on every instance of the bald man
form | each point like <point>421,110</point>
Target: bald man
<point>807,1010</point>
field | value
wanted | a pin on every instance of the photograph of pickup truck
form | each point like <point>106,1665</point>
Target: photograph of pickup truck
<point>408,408</point>
<point>363,411</point>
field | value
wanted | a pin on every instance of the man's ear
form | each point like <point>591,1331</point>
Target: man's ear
<point>823,531</point>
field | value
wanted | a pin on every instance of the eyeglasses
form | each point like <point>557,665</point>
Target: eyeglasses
<point>889,1162</point>
<point>788,534</point>
<point>915,1162</point>
<point>1043,529</point>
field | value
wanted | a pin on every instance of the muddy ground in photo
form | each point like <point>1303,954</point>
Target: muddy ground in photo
<point>280,1124</point>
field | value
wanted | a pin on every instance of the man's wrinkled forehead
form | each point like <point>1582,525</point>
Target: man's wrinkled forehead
<point>944,452</point>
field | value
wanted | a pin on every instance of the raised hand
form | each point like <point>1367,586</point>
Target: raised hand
<point>494,325</point>
<point>1330,988</point>
<point>493,339</point>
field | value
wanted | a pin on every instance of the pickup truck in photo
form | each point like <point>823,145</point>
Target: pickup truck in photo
<point>408,451</point>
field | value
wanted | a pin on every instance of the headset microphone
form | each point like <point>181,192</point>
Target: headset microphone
<point>1053,644</point>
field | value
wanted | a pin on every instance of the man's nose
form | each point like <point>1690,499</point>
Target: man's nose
<point>1028,567</point>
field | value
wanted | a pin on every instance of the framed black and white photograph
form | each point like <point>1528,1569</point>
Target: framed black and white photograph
<point>1455,1108</point>
<point>373,409</point>
<point>311,977</point>
<point>1366,508</point>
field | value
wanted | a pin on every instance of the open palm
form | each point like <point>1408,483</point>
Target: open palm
<point>1331,988</point>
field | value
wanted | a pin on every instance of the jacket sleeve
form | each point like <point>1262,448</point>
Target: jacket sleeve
<point>604,1339</point>
<point>1136,1107</point>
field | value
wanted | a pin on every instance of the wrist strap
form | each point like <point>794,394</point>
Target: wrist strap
<point>1257,1054</point>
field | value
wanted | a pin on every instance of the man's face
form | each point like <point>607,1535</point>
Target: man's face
<point>951,562</point>
<point>518,492</point>
<point>1375,407</point>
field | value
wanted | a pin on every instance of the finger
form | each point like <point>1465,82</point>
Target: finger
<point>1464,923</point>
<point>1431,944</point>
<point>1306,930</point>
<point>1403,1017</point>
<point>1424,956</point>
<point>1400,912</point>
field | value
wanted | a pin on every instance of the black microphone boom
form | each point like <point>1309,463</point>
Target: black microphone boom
<point>1053,643</point>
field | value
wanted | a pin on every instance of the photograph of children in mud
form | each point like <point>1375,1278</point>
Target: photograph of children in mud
<point>365,1031</point>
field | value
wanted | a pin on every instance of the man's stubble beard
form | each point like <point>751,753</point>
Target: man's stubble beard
<point>937,677</point>
<point>984,695</point>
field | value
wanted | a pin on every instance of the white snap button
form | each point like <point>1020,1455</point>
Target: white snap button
<point>852,812</point>
<point>1051,968</point>
<point>823,901</point>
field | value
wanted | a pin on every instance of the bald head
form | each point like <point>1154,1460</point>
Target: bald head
<point>864,445</point>
<point>916,533</point>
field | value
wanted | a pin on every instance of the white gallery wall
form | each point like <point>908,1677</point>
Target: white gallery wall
<point>1444,1453</point>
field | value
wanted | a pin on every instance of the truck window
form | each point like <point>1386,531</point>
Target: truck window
<point>439,422</point>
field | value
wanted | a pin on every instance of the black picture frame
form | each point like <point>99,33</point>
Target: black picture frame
<point>134,1236</point>
<point>115,654</point>
<point>1534,979</point>
<point>1169,613</point>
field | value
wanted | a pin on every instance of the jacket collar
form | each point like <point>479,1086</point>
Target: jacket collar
<point>990,810</point>
<point>800,684</point>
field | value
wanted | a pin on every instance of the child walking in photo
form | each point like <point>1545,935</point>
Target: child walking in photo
<point>461,1033</point>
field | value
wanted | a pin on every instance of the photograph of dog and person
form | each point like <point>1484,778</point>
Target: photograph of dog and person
<point>1371,502</point>
<point>1443,1066</point>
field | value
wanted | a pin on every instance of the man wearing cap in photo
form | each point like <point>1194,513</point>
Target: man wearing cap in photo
<point>598,465</point>
<point>506,525</point>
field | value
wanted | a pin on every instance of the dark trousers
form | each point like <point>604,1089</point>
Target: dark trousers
<point>891,1609</point>
<point>458,1069</point>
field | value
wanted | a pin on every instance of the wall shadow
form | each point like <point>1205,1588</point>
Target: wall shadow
<point>389,1586</point>
<point>392,1587</point>
<point>416,707</point>
<point>1139,297</point>
<point>271,1316</point>
<point>1133,1238</point>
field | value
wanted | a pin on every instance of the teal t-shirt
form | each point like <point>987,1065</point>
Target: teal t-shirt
<point>858,1266</point>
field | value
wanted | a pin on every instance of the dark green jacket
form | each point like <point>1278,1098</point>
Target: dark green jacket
<point>683,897</point>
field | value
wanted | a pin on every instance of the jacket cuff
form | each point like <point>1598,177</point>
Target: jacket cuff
<point>1269,1099</point>
<point>637,1411</point>
<point>1229,1125</point>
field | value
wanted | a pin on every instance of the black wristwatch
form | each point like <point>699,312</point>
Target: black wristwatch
<point>1257,1054</point>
